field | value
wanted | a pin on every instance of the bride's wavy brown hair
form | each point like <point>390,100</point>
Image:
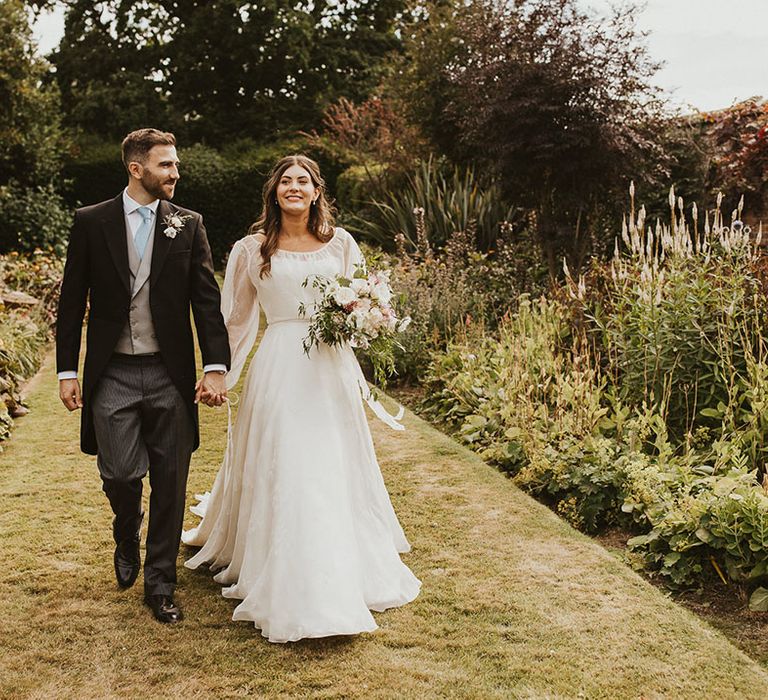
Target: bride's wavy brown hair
<point>321,218</point>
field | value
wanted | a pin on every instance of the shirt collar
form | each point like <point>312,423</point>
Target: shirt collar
<point>130,205</point>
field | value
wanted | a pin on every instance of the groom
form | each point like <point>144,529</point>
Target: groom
<point>142,263</point>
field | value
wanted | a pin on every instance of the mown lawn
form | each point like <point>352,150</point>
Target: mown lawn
<point>515,604</point>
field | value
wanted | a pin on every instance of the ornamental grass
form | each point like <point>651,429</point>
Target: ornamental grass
<point>635,395</point>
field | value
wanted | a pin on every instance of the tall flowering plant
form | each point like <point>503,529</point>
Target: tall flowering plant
<point>357,311</point>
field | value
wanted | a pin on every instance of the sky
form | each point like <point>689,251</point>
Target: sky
<point>715,51</point>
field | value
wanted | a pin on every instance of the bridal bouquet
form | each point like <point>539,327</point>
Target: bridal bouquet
<point>356,311</point>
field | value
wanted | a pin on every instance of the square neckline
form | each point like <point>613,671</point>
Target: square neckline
<point>309,252</point>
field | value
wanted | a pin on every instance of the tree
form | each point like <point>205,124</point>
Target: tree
<point>109,66</point>
<point>552,100</point>
<point>740,143</point>
<point>420,75</point>
<point>30,133</point>
<point>217,71</point>
<point>31,139</point>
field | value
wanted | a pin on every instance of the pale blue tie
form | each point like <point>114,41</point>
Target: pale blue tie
<point>142,235</point>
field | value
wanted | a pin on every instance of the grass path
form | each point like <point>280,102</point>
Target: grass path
<point>515,603</point>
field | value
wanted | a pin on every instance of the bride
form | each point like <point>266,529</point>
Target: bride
<point>298,521</point>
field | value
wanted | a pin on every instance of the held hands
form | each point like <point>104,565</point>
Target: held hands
<point>211,389</point>
<point>69,393</point>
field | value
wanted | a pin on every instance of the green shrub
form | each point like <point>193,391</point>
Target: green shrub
<point>25,331</point>
<point>440,300</point>
<point>637,398</point>
<point>23,339</point>
<point>445,291</point>
<point>355,187</point>
<point>679,317</point>
<point>519,401</point>
<point>38,274</point>
<point>94,173</point>
<point>717,524</point>
<point>32,218</point>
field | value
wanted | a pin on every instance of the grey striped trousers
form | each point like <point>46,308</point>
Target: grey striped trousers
<point>143,425</point>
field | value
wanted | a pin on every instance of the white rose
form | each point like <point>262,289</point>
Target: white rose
<point>382,293</point>
<point>344,295</point>
<point>176,222</point>
<point>170,232</point>
<point>357,319</point>
<point>374,320</point>
<point>331,288</point>
<point>363,305</point>
<point>360,286</point>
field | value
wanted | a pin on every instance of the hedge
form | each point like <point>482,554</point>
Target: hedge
<point>224,186</point>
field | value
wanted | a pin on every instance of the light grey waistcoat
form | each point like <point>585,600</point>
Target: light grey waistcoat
<point>138,336</point>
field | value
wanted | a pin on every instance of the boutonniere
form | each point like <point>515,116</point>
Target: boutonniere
<point>173,223</point>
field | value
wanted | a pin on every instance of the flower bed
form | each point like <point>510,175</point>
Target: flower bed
<point>29,291</point>
<point>635,396</point>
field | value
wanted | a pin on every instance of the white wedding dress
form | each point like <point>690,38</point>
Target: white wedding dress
<point>299,516</point>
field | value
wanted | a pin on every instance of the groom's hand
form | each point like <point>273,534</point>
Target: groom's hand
<point>211,389</point>
<point>69,393</point>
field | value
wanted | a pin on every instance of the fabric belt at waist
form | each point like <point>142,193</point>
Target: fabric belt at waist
<point>289,320</point>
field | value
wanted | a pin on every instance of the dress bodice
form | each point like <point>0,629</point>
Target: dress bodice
<point>280,293</point>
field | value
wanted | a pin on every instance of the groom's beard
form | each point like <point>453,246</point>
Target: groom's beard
<point>162,189</point>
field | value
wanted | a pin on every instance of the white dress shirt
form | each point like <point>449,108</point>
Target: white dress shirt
<point>133,219</point>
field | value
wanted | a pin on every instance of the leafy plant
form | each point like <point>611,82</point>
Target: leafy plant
<point>680,316</point>
<point>457,290</point>
<point>33,218</point>
<point>24,330</point>
<point>449,199</point>
<point>634,395</point>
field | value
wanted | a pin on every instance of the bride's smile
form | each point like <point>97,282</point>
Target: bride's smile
<point>295,192</point>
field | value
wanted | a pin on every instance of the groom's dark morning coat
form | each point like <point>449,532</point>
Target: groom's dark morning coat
<point>181,276</point>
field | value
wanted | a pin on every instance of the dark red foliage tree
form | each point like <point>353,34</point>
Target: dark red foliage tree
<point>740,164</point>
<point>554,101</point>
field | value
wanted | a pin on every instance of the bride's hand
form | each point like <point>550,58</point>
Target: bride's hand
<point>211,389</point>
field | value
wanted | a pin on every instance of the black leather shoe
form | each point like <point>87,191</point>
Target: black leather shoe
<point>127,557</point>
<point>163,608</point>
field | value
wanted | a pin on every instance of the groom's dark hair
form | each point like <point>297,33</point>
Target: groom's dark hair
<point>137,144</point>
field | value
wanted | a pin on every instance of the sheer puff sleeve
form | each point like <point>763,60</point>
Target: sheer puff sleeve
<point>353,256</point>
<point>240,305</point>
